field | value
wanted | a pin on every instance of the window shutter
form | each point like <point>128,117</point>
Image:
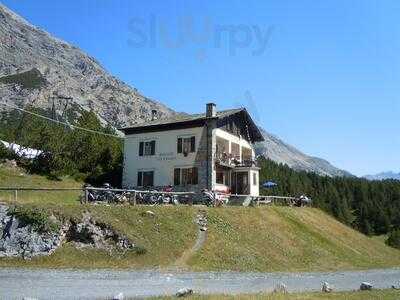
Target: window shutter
<point>141,146</point>
<point>177,176</point>
<point>193,144</point>
<point>140,179</point>
<point>179,145</point>
<point>195,177</point>
<point>153,147</point>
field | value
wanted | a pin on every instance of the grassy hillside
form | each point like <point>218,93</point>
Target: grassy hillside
<point>16,177</point>
<point>287,239</point>
<point>238,238</point>
<point>370,295</point>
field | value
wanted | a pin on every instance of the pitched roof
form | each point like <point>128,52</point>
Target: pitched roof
<point>186,120</point>
<point>183,118</point>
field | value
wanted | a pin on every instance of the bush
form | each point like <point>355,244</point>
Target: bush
<point>394,239</point>
<point>3,152</point>
<point>140,250</point>
<point>38,219</point>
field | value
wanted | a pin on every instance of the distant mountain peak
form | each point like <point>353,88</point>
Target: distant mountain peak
<point>280,152</point>
<point>383,176</point>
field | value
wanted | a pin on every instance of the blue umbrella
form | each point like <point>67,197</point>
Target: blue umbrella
<point>269,184</point>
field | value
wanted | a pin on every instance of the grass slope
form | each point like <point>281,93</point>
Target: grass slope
<point>287,239</point>
<point>369,295</point>
<point>16,177</point>
<point>263,239</point>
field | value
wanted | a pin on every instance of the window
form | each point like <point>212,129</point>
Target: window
<point>223,177</point>
<point>185,176</point>
<point>186,145</point>
<point>177,176</point>
<point>147,148</point>
<point>145,178</point>
<point>220,177</point>
<point>254,178</point>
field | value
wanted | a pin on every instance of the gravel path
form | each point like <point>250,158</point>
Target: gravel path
<point>102,284</point>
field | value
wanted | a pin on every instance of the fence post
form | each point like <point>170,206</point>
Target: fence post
<point>134,198</point>
<point>86,195</point>
<point>15,195</point>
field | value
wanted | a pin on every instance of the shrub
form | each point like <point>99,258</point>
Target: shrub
<point>140,250</point>
<point>4,153</point>
<point>394,239</point>
<point>37,218</point>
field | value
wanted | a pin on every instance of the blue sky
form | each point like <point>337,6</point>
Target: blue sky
<point>327,82</point>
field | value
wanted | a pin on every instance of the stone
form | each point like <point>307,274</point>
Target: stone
<point>25,241</point>
<point>281,288</point>
<point>326,287</point>
<point>18,240</point>
<point>119,296</point>
<point>365,286</point>
<point>184,292</point>
<point>150,213</point>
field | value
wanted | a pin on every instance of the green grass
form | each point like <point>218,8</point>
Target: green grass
<point>265,239</point>
<point>364,295</point>
<point>16,177</point>
<point>287,239</point>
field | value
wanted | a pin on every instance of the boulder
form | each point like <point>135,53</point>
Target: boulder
<point>24,241</point>
<point>149,213</point>
<point>184,292</point>
<point>326,287</point>
<point>365,286</point>
<point>281,288</point>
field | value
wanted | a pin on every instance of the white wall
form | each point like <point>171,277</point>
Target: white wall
<point>254,189</point>
<point>234,139</point>
<point>165,159</point>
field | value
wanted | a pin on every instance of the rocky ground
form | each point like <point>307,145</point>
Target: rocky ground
<point>22,236</point>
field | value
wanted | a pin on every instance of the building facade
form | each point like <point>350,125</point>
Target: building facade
<point>194,152</point>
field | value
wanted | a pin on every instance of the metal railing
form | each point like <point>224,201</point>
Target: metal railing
<point>133,193</point>
<point>233,161</point>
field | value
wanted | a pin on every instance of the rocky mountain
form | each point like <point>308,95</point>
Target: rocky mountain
<point>280,152</point>
<point>383,176</point>
<point>39,70</point>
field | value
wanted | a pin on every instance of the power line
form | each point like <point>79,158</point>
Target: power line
<point>60,122</point>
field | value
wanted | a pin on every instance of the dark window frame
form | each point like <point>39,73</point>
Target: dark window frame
<point>187,176</point>
<point>144,176</point>
<point>147,148</point>
<point>186,145</point>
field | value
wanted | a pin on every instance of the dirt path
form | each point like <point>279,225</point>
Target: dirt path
<point>201,221</point>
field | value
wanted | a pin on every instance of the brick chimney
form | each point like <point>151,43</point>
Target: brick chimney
<point>211,110</point>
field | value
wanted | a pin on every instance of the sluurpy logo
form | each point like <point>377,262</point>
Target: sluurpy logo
<point>199,35</point>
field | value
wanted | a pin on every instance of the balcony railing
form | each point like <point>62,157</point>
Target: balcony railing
<point>230,160</point>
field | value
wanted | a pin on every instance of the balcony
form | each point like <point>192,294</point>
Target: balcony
<point>233,161</point>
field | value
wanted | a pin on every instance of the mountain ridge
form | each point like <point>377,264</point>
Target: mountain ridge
<point>383,176</point>
<point>39,70</point>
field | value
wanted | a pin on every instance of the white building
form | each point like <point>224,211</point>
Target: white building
<point>193,152</point>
